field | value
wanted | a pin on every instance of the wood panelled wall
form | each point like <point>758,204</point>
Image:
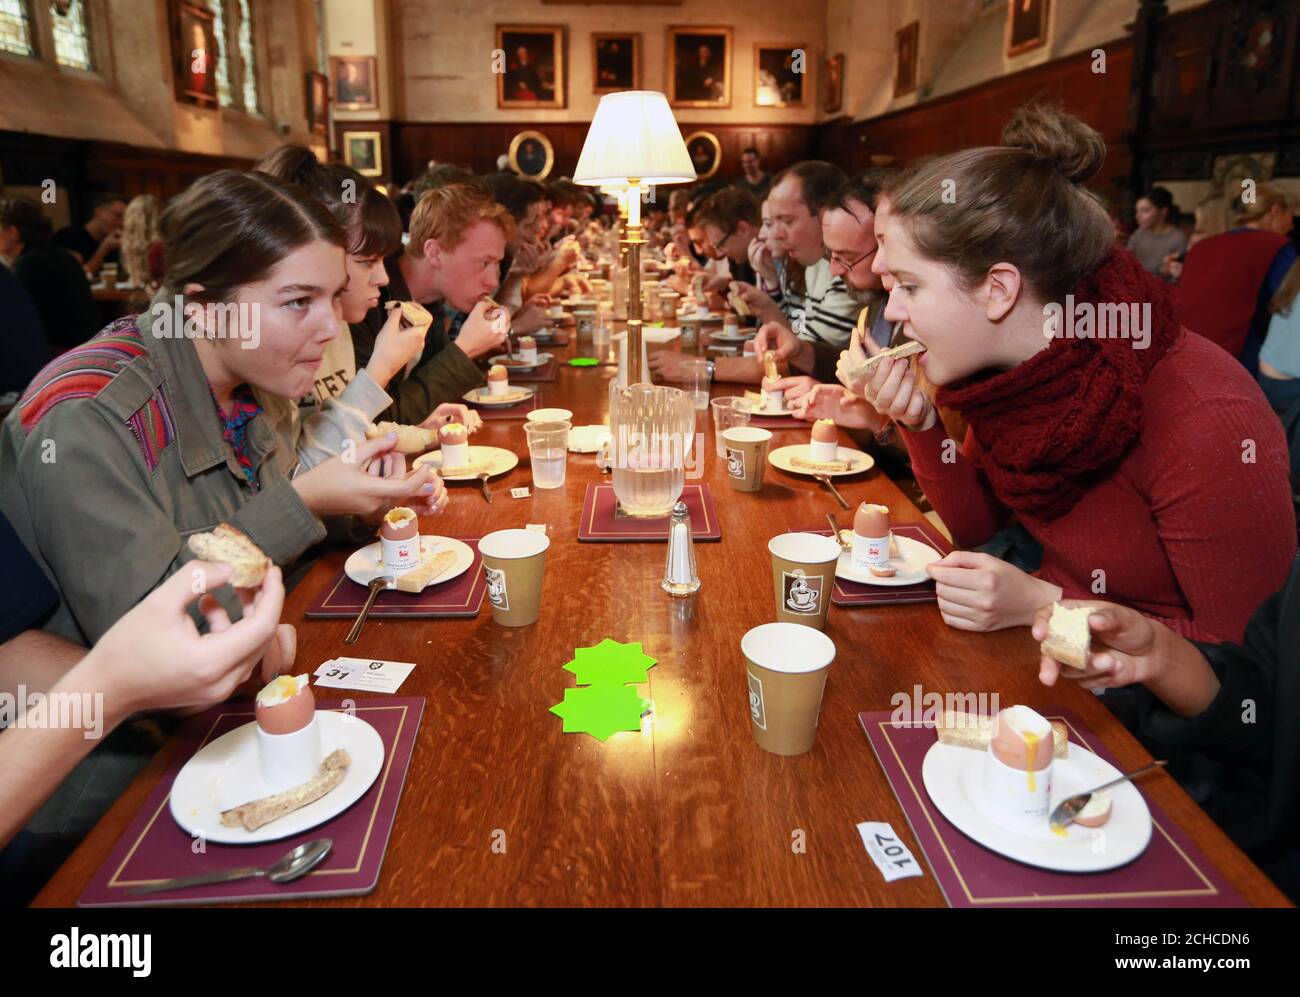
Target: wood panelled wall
<point>977,115</point>
<point>84,169</point>
<point>477,145</point>
<point>1225,78</point>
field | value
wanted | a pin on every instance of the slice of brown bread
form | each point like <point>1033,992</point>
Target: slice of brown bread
<point>227,545</point>
<point>410,439</point>
<point>261,812</point>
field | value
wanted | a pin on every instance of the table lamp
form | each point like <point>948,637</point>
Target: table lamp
<point>633,142</point>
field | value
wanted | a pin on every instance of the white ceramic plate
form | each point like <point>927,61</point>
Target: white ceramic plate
<point>367,564</point>
<point>909,566</point>
<point>587,439</point>
<point>954,776</point>
<point>782,457</point>
<point>225,773</point>
<point>480,396</point>
<point>768,413</point>
<point>498,461</point>
<point>518,364</point>
<point>740,337</point>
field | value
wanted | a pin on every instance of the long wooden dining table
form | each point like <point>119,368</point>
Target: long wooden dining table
<point>689,811</point>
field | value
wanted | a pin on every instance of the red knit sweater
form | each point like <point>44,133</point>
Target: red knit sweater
<point>1185,530</point>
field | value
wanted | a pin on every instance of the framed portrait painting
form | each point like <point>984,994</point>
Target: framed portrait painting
<point>615,61</point>
<point>532,155</point>
<point>318,103</point>
<point>699,66</point>
<point>706,153</point>
<point>1026,25</point>
<point>354,81</point>
<point>530,70</point>
<point>364,152</point>
<point>833,84</point>
<point>780,75</point>
<point>906,45</point>
<point>194,43</point>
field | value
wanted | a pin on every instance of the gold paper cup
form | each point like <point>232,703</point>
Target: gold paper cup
<point>746,448</point>
<point>513,561</point>
<point>803,574</point>
<point>785,669</point>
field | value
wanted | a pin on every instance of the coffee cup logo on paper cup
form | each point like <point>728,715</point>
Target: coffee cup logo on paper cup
<point>786,667</point>
<point>803,572</point>
<point>513,563</point>
<point>735,463</point>
<point>497,591</point>
<point>802,594</point>
<point>746,456</point>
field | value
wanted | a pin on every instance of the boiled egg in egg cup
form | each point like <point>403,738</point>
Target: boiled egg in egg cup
<point>1018,770</point>
<point>498,380</point>
<point>824,444</point>
<point>288,734</point>
<point>773,397</point>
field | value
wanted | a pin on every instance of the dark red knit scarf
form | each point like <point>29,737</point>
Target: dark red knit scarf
<point>1062,420</point>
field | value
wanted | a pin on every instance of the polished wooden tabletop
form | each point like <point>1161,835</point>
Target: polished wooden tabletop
<point>690,811</point>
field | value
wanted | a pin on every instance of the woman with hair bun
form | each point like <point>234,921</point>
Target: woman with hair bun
<point>1148,465</point>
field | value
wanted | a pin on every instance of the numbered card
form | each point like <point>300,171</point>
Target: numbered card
<point>893,858</point>
<point>364,674</point>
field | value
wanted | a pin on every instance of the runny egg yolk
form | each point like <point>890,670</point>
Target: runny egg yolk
<point>1031,740</point>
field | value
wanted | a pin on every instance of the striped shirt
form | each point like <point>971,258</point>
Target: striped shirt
<point>825,311</point>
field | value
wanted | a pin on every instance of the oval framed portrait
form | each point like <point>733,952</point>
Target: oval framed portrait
<point>706,153</point>
<point>532,155</point>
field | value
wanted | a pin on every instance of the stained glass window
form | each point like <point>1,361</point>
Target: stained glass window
<point>223,72</point>
<point>246,56</point>
<point>71,46</point>
<point>15,30</point>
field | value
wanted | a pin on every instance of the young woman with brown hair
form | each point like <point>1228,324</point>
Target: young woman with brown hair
<point>150,432</point>
<point>345,400</point>
<point>1148,466</point>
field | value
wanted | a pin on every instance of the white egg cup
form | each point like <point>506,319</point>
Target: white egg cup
<point>821,451</point>
<point>400,556</point>
<point>498,387</point>
<point>773,401</point>
<point>868,551</point>
<point>455,455</point>
<point>528,354</point>
<point>289,760</point>
<point>1009,798</point>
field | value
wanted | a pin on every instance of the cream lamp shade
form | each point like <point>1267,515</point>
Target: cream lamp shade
<point>633,136</point>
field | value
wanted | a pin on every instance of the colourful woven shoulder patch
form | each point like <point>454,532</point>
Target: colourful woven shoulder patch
<point>85,370</point>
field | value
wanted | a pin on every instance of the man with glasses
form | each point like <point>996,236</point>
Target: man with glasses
<point>848,247</point>
<point>730,219</point>
<point>818,305</point>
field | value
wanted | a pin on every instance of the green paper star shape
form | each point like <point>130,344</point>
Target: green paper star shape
<point>601,710</point>
<point>610,663</point>
<point>583,362</point>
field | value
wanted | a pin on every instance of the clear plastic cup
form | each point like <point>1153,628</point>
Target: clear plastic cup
<point>728,412</point>
<point>695,382</point>
<point>548,452</point>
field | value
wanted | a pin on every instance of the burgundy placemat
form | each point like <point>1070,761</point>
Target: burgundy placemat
<point>600,525</point>
<point>154,846</point>
<point>546,372</point>
<point>459,596</point>
<point>846,593</point>
<point>1172,871</point>
<point>776,422</point>
<point>516,411</point>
